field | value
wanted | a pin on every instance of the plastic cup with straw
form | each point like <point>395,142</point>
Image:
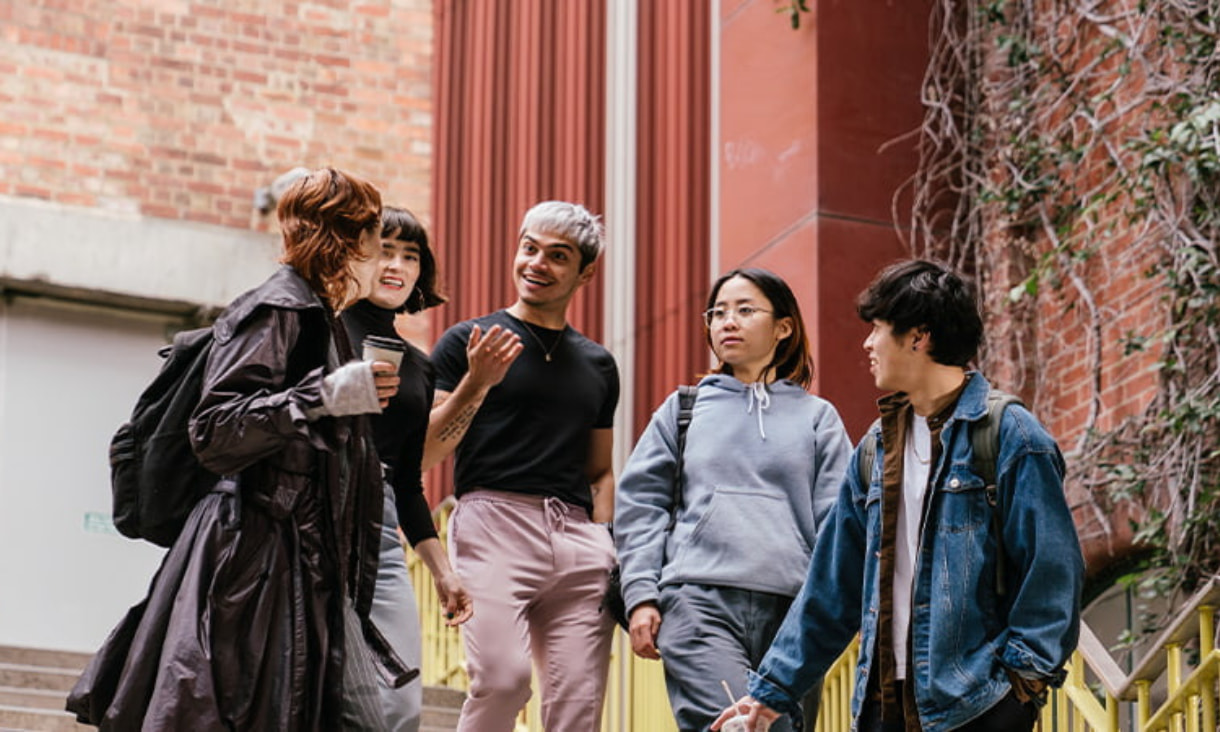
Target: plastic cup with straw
<point>737,723</point>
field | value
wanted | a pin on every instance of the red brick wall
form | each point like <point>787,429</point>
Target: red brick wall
<point>180,109</point>
<point>1065,353</point>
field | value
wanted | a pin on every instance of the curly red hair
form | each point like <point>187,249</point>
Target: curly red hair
<point>322,216</point>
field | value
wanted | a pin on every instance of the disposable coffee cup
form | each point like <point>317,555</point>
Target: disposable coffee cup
<point>734,724</point>
<point>380,348</point>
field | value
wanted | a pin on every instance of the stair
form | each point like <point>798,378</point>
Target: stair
<point>34,685</point>
<point>441,708</point>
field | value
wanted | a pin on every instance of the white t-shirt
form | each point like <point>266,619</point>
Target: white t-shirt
<point>916,466</point>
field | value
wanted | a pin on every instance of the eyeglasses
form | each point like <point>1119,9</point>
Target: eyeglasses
<point>741,313</point>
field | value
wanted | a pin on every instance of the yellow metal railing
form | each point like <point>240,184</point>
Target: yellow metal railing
<point>443,661</point>
<point>1185,657</point>
<point>1172,689</point>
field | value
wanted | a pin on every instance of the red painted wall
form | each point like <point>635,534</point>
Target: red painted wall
<point>520,119</point>
<point>672,201</point>
<point>805,184</point>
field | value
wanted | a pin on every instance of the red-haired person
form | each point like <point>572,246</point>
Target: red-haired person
<point>244,624</point>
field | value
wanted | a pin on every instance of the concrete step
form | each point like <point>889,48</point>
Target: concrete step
<point>16,696</point>
<point>41,657</point>
<point>34,685</point>
<point>38,677</point>
<point>441,709</point>
<point>18,719</point>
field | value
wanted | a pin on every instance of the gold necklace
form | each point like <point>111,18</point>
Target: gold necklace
<point>546,352</point>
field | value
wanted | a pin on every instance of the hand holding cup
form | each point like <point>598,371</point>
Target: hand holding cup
<point>386,354</point>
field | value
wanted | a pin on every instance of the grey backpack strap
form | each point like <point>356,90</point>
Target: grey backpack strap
<point>686,409</point>
<point>985,435</point>
<point>985,446</point>
<point>868,454</point>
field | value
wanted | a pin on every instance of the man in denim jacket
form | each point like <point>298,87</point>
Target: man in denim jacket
<point>909,557</point>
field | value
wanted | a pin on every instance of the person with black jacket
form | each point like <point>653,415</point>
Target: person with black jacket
<point>262,600</point>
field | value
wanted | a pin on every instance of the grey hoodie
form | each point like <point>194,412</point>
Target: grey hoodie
<point>762,467</point>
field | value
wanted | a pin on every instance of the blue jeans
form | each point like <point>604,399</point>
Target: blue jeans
<point>710,633</point>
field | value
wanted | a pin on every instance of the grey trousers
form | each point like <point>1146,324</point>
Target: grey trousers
<point>710,633</point>
<point>370,703</point>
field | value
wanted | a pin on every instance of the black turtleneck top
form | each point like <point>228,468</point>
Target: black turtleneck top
<point>400,429</point>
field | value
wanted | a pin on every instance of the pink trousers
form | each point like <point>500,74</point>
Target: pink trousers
<point>536,569</point>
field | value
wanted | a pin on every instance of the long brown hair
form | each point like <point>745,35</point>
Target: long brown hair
<point>322,216</point>
<point>791,360</point>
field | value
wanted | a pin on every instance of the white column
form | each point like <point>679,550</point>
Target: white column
<point>620,215</point>
<point>622,94</point>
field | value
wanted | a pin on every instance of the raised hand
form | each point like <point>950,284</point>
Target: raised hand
<point>489,356</point>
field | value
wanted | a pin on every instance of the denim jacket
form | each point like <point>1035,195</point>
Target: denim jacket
<point>965,638</point>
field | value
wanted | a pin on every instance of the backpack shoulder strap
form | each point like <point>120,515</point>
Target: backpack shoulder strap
<point>985,435</point>
<point>686,409</point>
<point>868,453</point>
<point>985,447</point>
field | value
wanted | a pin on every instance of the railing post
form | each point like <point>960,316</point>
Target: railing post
<point>1207,629</point>
<point>1207,644</point>
<point>1112,711</point>
<point>1143,705</point>
<point>1173,651</point>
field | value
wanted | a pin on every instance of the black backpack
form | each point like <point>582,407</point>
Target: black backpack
<point>613,601</point>
<point>155,477</point>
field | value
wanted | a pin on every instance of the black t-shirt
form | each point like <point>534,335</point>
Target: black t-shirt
<point>532,433</point>
<point>400,429</point>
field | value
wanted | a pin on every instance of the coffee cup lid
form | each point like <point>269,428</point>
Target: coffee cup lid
<point>388,344</point>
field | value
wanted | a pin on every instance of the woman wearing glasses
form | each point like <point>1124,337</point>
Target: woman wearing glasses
<point>707,591</point>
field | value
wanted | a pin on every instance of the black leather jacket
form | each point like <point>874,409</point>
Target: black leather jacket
<point>243,627</point>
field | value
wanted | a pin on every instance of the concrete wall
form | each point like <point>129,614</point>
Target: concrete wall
<point>69,376</point>
<point>128,259</point>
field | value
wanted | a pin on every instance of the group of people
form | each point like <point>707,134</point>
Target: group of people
<point>752,547</point>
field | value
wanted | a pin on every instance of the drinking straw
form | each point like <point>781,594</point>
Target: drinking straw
<point>732,699</point>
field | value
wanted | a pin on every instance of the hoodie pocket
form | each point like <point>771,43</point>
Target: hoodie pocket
<point>749,539</point>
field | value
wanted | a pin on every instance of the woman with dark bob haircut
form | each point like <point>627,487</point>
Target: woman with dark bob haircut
<point>268,587</point>
<point>406,281</point>
<point>720,557</point>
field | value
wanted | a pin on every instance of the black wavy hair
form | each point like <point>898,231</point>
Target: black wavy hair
<point>920,293</point>
<point>400,224</point>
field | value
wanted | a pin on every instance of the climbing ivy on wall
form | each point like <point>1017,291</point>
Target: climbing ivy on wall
<point>1060,140</point>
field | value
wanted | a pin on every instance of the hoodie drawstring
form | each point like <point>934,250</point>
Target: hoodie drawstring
<point>761,397</point>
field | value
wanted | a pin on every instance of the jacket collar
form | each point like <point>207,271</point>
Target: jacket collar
<point>971,404</point>
<point>284,289</point>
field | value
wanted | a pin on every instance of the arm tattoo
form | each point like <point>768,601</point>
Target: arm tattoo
<point>456,427</point>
